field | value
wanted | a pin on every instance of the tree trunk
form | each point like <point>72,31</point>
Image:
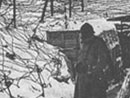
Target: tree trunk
<point>14,13</point>
<point>44,10</point>
<point>52,9</point>
<point>70,9</point>
<point>82,5</point>
<point>0,3</point>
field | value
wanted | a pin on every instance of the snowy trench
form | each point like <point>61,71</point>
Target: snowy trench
<point>27,67</point>
<point>28,64</point>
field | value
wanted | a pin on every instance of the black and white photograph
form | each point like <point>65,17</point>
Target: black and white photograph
<point>64,48</point>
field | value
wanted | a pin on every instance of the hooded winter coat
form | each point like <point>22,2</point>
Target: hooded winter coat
<point>93,69</point>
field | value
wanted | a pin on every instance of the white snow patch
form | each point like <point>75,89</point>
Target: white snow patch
<point>101,25</point>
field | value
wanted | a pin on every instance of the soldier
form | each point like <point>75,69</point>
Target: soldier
<point>94,66</point>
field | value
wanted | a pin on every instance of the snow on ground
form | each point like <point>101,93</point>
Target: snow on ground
<point>23,66</point>
<point>20,59</point>
<point>101,25</point>
<point>21,56</point>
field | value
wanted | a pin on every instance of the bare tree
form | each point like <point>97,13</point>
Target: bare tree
<point>1,2</point>
<point>14,13</point>
<point>82,4</point>
<point>44,10</point>
<point>52,9</point>
<point>70,8</point>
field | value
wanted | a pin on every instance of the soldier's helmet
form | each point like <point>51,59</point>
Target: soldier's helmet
<point>86,31</point>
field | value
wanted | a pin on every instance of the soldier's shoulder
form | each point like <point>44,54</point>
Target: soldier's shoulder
<point>99,40</point>
<point>101,43</point>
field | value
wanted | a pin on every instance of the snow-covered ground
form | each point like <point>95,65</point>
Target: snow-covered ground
<point>28,64</point>
<point>22,67</point>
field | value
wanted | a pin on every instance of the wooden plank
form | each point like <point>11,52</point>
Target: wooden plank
<point>68,40</point>
<point>120,18</point>
<point>123,26</point>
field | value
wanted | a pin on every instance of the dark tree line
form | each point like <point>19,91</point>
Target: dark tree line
<point>52,8</point>
<point>44,9</point>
